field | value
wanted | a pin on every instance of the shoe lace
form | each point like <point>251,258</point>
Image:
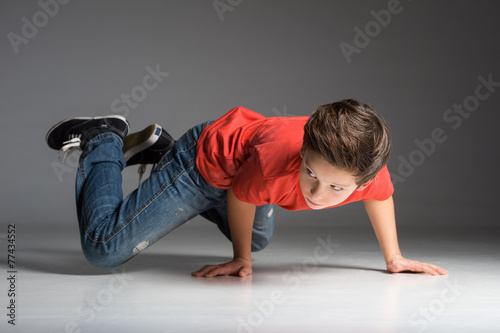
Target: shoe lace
<point>70,146</point>
<point>142,170</point>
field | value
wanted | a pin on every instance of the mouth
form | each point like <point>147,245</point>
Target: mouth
<point>313,203</point>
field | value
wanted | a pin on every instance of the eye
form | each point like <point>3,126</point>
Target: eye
<point>310,173</point>
<point>336,188</point>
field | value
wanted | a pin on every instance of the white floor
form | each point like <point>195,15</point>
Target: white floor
<point>315,279</point>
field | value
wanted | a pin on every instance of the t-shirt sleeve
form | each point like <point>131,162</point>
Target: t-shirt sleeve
<point>222,146</point>
<point>381,188</point>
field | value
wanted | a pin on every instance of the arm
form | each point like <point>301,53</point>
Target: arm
<point>241,216</point>
<point>381,214</point>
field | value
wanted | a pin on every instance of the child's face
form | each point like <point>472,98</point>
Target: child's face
<point>322,184</point>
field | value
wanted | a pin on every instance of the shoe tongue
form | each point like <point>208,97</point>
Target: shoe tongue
<point>74,136</point>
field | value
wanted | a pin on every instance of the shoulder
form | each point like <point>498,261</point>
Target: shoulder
<point>240,116</point>
<point>381,188</point>
<point>277,144</point>
<point>279,129</point>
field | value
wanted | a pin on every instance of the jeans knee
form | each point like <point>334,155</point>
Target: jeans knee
<point>100,258</point>
<point>260,242</point>
<point>263,228</point>
<point>256,247</point>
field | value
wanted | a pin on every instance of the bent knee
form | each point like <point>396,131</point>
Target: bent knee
<point>259,243</point>
<point>263,227</point>
<point>101,258</point>
<point>102,261</point>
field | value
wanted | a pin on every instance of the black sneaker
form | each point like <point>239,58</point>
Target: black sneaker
<point>74,133</point>
<point>147,146</point>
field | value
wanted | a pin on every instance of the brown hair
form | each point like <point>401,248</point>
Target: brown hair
<point>350,135</point>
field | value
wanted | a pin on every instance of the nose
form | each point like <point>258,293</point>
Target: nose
<point>317,192</point>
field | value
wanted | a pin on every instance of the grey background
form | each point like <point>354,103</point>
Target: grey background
<point>275,57</point>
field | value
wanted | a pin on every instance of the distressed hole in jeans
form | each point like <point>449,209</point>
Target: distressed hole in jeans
<point>270,212</point>
<point>141,246</point>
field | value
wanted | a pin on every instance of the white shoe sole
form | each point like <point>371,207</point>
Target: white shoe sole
<point>137,142</point>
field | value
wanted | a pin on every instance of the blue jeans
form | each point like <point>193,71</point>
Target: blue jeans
<point>113,229</point>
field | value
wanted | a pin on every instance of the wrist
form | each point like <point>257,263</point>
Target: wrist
<point>392,257</point>
<point>243,259</point>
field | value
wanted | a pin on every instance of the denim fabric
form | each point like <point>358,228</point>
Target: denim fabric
<point>113,229</point>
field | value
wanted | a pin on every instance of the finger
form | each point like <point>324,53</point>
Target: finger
<point>411,266</point>
<point>214,272</point>
<point>245,271</point>
<point>440,270</point>
<point>417,266</point>
<point>204,270</point>
<point>428,268</point>
<point>219,271</point>
<point>443,271</point>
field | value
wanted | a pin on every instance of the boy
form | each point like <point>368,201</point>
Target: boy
<point>231,172</point>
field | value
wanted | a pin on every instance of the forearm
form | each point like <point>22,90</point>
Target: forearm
<point>241,216</point>
<point>382,218</point>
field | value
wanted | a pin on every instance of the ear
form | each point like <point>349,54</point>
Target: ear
<point>362,187</point>
<point>302,151</point>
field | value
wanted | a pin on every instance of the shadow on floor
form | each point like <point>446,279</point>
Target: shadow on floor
<point>282,268</point>
<point>74,263</point>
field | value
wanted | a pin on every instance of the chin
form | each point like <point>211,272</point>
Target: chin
<point>313,205</point>
<point>316,207</point>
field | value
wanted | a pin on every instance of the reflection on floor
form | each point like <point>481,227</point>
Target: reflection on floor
<point>314,279</point>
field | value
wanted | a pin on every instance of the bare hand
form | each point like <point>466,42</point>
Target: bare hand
<point>238,267</point>
<point>399,264</point>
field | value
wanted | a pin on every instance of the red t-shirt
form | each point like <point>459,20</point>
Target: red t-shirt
<point>266,151</point>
